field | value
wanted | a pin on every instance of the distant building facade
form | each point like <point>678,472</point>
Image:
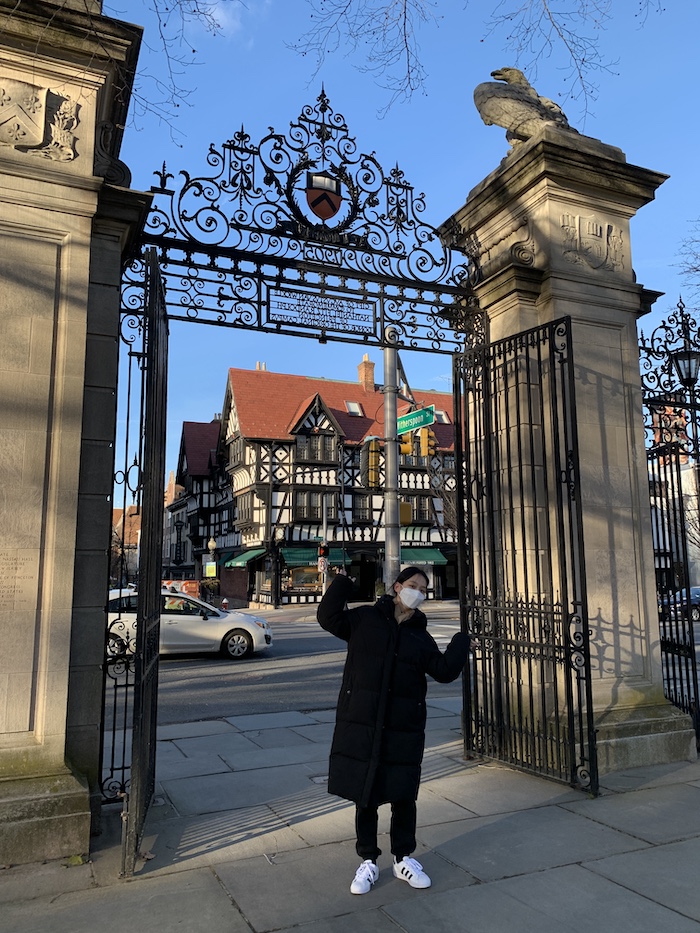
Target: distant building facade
<point>279,474</point>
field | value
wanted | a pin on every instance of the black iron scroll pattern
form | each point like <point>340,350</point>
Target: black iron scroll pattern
<point>671,420</point>
<point>528,692</point>
<point>670,410</point>
<point>303,232</point>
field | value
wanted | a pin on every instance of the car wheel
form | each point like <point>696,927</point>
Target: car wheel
<point>695,613</point>
<point>237,644</point>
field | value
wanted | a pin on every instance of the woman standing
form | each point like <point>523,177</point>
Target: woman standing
<point>379,734</point>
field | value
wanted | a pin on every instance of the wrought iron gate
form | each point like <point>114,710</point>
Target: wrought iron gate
<point>131,657</point>
<point>528,686</point>
<point>669,375</point>
<point>676,614</point>
<point>300,234</point>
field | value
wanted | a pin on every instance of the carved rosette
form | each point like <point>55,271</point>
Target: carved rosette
<point>37,121</point>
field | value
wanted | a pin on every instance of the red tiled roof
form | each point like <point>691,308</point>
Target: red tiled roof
<point>269,404</point>
<point>199,439</point>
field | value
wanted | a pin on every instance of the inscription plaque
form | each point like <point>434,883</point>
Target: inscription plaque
<point>339,312</point>
<point>18,580</point>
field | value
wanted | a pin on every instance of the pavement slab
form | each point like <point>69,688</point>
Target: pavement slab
<point>657,814</point>
<point>306,753</point>
<point>563,900</point>
<point>235,790</point>
<point>188,730</point>
<point>486,788</point>
<point>43,881</point>
<point>676,772</point>
<point>322,715</point>
<point>243,837</point>
<point>172,763</point>
<point>221,744</point>
<point>314,885</point>
<point>438,765</point>
<point>526,841</point>
<point>368,921</point>
<point>191,901</point>
<point>271,720</point>
<point>434,809</point>
<point>321,732</point>
<point>666,874</point>
<point>449,704</point>
<point>277,738</point>
<point>327,819</point>
<point>202,841</point>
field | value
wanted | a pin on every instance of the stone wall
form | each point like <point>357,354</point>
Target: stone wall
<point>63,233</point>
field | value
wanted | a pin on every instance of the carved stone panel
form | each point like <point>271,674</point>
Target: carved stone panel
<point>35,120</point>
<point>591,240</point>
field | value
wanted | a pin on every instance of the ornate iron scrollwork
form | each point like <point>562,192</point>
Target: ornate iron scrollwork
<point>670,409</point>
<point>305,214</point>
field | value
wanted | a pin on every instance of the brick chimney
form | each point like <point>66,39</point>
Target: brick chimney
<point>365,373</point>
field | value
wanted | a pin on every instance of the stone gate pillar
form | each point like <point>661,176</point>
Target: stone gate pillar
<point>550,231</point>
<point>67,218</point>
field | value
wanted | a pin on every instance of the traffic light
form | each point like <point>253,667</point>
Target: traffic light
<point>369,463</point>
<point>428,442</point>
<point>406,443</point>
<point>323,550</point>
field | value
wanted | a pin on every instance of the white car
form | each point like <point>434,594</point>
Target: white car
<point>187,625</point>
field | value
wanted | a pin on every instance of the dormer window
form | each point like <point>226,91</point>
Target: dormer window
<point>319,448</point>
<point>441,417</point>
<point>354,408</point>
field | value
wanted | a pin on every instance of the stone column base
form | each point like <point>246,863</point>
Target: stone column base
<point>650,735</point>
<point>42,818</point>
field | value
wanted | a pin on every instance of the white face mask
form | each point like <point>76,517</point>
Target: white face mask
<point>410,597</point>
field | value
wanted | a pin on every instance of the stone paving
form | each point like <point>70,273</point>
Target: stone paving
<point>243,837</point>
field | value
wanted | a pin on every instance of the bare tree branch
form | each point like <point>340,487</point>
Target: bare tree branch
<point>384,31</point>
<point>383,35</point>
<point>690,259</point>
<point>162,90</point>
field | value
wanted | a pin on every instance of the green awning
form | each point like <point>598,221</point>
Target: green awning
<point>308,556</point>
<point>300,556</point>
<point>422,555</point>
<point>244,558</point>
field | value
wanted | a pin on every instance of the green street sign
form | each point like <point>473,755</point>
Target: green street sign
<point>415,419</point>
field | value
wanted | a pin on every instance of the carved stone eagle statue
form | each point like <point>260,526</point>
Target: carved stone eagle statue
<point>517,106</point>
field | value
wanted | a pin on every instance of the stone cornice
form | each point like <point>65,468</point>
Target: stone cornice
<point>575,163</point>
<point>95,44</point>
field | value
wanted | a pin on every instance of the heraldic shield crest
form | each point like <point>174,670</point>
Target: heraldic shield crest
<point>323,194</point>
<point>22,113</point>
<point>318,238</point>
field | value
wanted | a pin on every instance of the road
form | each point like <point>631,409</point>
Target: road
<point>301,671</point>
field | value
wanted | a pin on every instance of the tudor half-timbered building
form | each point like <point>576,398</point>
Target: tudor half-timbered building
<point>291,449</point>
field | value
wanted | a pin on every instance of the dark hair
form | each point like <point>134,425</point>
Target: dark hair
<point>409,572</point>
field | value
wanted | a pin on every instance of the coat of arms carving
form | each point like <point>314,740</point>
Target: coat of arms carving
<point>35,120</point>
<point>590,240</point>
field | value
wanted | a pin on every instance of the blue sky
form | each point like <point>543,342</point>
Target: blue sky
<point>647,106</point>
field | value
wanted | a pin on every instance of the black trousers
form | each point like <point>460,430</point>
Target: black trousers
<point>402,831</point>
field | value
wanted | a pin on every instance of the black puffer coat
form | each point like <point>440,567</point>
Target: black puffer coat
<point>379,735</point>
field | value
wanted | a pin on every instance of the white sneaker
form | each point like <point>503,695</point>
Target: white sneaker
<point>365,876</point>
<point>408,869</point>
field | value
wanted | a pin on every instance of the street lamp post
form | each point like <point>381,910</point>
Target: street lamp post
<point>392,526</point>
